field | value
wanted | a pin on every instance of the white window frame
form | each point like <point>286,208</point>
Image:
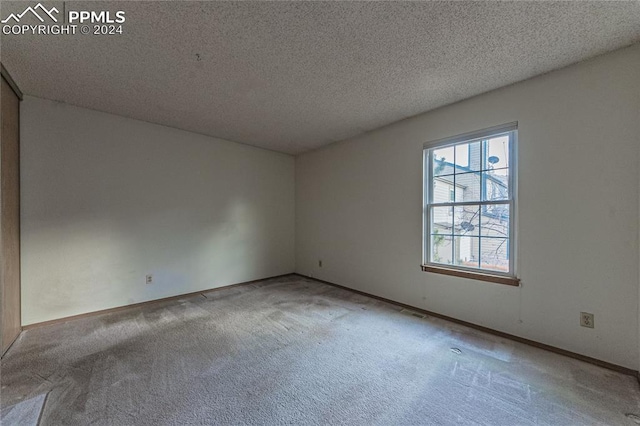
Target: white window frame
<point>510,129</point>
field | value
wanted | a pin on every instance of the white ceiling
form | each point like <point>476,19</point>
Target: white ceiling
<point>293,76</point>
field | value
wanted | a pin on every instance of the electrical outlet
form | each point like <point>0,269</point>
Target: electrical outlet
<point>319,263</point>
<point>586,319</point>
<point>149,279</point>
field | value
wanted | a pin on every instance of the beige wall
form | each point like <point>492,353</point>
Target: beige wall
<point>359,206</point>
<point>107,200</point>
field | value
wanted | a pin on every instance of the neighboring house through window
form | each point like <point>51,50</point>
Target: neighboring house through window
<point>469,190</point>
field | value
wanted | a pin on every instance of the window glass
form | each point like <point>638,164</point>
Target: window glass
<point>470,208</point>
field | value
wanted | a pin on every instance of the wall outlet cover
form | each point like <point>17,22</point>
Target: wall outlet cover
<point>586,320</point>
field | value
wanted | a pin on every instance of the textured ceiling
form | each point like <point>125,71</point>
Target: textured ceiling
<point>293,76</point>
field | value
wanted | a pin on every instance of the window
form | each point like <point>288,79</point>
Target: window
<point>469,193</point>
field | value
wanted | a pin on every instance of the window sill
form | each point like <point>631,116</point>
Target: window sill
<point>497,279</point>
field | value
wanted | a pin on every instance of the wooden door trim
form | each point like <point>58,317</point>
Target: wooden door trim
<point>10,81</point>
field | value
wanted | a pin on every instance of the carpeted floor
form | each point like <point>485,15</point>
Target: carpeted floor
<point>295,351</point>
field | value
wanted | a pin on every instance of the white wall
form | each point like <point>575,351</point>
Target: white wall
<point>359,207</point>
<point>107,200</point>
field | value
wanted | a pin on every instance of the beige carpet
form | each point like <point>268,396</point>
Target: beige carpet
<point>296,351</point>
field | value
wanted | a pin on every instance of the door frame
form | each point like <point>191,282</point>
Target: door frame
<point>16,90</point>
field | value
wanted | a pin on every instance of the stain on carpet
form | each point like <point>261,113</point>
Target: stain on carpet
<point>292,350</point>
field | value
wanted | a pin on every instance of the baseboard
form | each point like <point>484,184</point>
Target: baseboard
<point>11,344</point>
<point>533,343</point>
<point>137,305</point>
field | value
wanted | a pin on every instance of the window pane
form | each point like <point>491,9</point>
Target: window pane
<point>466,220</point>
<point>468,157</point>
<point>494,254</point>
<point>495,221</point>
<point>474,177</point>
<point>496,185</point>
<point>443,190</point>
<point>462,156</point>
<point>443,161</point>
<point>496,152</point>
<point>468,185</point>
<point>441,248</point>
<point>466,251</point>
<point>442,220</point>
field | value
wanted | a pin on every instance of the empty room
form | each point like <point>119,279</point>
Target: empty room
<point>320,213</point>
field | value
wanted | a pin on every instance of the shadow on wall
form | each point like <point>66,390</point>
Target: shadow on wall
<point>108,200</point>
<point>185,249</point>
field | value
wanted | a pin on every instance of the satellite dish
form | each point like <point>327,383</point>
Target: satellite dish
<point>467,226</point>
<point>493,159</point>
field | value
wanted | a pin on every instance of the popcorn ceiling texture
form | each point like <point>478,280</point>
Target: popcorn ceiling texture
<point>293,76</point>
